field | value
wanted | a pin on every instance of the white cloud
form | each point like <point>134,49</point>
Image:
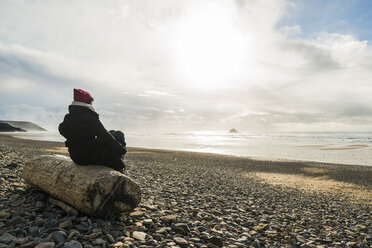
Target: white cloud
<point>199,64</point>
<point>291,31</point>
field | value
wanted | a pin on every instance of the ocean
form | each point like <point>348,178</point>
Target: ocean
<point>341,148</point>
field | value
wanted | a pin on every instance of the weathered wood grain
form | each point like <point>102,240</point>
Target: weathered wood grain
<point>94,190</point>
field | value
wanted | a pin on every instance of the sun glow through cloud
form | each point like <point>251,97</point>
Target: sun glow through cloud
<point>190,65</point>
<point>208,47</point>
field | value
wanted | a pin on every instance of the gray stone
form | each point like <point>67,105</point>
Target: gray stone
<point>39,204</point>
<point>170,218</point>
<point>164,230</point>
<point>82,228</point>
<point>147,222</point>
<point>136,214</point>
<point>217,241</point>
<point>72,244</point>
<point>195,240</point>
<point>6,238</point>
<point>59,245</point>
<point>4,245</point>
<point>72,233</point>
<point>51,223</point>
<point>30,244</point>
<point>4,215</point>
<point>202,228</point>
<point>21,241</point>
<point>99,241</point>
<point>110,238</point>
<point>65,224</point>
<point>180,241</point>
<point>34,230</point>
<point>183,226</point>
<point>59,236</point>
<point>256,244</point>
<point>45,245</point>
<point>139,235</point>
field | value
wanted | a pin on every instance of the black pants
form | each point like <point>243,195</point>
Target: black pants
<point>115,161</point>
<point>100,154</point>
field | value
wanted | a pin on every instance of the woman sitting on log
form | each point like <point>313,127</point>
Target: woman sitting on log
<point>88,142</point>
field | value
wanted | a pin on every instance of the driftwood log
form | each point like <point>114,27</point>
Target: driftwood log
<point>94,190</point>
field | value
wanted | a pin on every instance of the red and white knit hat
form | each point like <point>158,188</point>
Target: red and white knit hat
<point>82,96</point>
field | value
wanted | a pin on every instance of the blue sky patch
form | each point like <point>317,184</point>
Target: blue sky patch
<point>332,16</point>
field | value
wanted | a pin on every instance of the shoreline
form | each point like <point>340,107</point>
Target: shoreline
<point>282,172</point>
<point>254,158</point>
<point>201,200</point>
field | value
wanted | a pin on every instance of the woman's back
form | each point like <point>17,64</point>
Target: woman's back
<point>87,140</point>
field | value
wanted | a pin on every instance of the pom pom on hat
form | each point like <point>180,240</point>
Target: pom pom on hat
<point>82,96</point>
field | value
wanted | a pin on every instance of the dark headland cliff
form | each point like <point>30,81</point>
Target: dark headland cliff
<point>19,126</point>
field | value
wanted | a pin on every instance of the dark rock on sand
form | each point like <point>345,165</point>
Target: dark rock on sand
<point>233,130</point>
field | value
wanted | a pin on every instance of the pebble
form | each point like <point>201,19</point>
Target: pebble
<point>51,223</point>
<point>136,214</point>
<point>59,236</point>
<point>170,218</point>
<point>202,228</point>
<point>217,241</point>
<point>34,230</point>
<point>99,241</point>
<point>65,224</point>
<point>6,238</point>
<point>183,226</point>
<point>210,245</point>
<point>4,215</point>
<point>139,235</point>
<point>110,238</point>
<point>39,204</point>
<point>81,228</point>
<point>72,244</point>
<point>21,241</point>
<point>28,244</point>
<point>117,245</point>
<point>164,230</point>
<point>72,233</point>
<point>46,245</point>
<point>93,235</point>
<point>180,241</point>
<point>189,200</point>
<point>147,222</point>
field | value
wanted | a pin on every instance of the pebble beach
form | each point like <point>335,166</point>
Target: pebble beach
<point>196,200</point>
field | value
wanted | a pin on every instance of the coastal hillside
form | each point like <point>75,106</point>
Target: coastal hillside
<point>5,127</point>
<point>24,125</point>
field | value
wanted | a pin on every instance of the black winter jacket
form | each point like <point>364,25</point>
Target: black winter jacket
<point>87,140</point>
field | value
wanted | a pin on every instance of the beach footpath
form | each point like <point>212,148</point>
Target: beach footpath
<point>195,200</point>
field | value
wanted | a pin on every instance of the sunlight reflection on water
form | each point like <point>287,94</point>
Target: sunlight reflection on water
<point>345,148</point>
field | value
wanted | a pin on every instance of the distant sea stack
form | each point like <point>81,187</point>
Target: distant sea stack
<point>19,126</point>
<point>233,130</point>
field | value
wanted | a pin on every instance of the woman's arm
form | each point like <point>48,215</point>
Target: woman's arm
<point>107,139</point>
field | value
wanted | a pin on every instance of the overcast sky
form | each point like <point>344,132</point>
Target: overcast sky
<point>172,65</point>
